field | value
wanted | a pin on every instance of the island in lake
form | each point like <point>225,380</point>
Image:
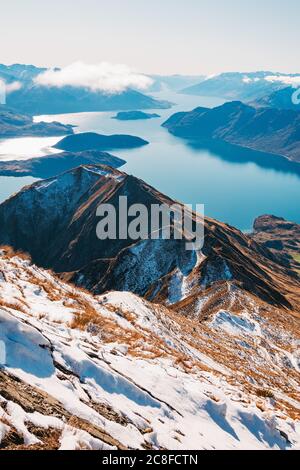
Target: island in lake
<point>134,115</point>
<point>52,165</point>
<point>94,141</point>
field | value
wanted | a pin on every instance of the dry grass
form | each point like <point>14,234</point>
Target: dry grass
<point>9,253</point>
<point>264,393</point>
<point>18,305</point>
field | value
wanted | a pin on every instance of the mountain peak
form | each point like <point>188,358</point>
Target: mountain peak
<point>55,221</point>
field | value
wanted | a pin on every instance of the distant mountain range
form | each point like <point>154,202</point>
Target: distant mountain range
<point>116,372</point>
<point>35,99</point>
<point>240,86</point>
<point>93,141</point>
<point>15,124</point>
<point>263,129</point>
<point>174,82</point>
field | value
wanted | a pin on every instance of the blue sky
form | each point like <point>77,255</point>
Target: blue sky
<point>157,36</point>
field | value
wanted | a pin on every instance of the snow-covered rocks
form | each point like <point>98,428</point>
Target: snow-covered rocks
<point>116,371</point>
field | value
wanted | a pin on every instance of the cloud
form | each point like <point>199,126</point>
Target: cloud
<point>285,79</point>
<point>247,79</point>
<point>105,77</point>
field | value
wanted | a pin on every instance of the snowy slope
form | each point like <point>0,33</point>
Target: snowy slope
<point>115,371</point>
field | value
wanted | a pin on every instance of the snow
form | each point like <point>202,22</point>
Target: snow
<point>76,439</point>
<point>25,347</point>
<point>234,324</point>
<point>163,404</point>
<point>106,173</point>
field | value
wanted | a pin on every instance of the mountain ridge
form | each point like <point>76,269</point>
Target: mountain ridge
<point>14,124</point>
<point>34,99</point>
<point>117,372</point>
<point>59,231</point>
<point>245,86</point>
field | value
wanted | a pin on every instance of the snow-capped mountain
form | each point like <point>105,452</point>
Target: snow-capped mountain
<point>246,86</point>
<point>117,372</point>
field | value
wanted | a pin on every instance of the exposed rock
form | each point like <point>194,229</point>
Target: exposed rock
<point>236,85</point>
<point>154,378</point>
<point>280,236</point>
<point>55,221</point>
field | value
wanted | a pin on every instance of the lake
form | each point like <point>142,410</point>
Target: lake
<point>236,185</point>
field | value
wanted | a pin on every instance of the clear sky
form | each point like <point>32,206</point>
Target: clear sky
<point>154,36</point>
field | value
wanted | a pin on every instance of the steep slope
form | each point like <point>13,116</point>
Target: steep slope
<point>39,100</point>
<point>22,72</point>
<point>280,236</point>
<point>264,129</point>
<point>14,124</point>
<point>55,221</point>
<point>117,372</point>
<point>285,98</point>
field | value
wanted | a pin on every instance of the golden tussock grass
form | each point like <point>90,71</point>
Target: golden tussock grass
<point>264,393</point>
<point>16,305</point>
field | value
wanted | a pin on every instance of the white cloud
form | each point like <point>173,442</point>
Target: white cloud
<point>105,77</point>
<point>247,80</point>
<point>285,79</point>
<point>6,88</point>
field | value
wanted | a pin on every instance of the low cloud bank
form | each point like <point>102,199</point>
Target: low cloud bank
<point>105,77</point>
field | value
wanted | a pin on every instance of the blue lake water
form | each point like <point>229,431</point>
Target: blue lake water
<point>235,185</point>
